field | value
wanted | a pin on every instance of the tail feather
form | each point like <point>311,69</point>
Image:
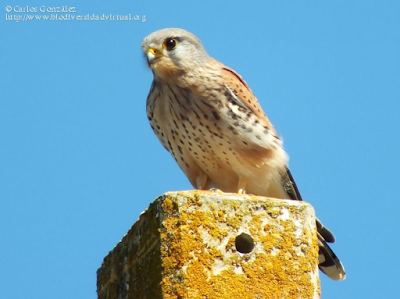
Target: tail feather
<point>328,261</point>
<point>325,232</point>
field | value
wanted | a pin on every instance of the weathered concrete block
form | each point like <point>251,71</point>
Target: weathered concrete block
<point>204,244</point>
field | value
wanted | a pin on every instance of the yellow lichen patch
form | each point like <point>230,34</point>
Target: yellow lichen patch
<point>199,256</point>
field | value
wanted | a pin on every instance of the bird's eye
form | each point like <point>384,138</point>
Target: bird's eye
<point>170,43</point>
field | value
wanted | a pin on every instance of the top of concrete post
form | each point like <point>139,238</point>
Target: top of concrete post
<point>204,244</point>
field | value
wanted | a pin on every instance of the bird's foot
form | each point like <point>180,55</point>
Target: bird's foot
<point>216,190</point>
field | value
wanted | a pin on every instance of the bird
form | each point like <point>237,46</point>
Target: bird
<point>206,116</point>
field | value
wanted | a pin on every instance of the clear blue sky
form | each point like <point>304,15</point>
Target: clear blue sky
<point>79,162</point>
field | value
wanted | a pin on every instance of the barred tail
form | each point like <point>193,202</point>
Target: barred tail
<point>329,262</point>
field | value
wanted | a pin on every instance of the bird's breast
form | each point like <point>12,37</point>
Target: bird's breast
<point>224,140</point>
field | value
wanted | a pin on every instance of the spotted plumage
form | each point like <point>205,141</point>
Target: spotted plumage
<point>207,117</point>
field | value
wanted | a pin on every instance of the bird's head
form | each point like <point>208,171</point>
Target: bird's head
<point>171,52</point>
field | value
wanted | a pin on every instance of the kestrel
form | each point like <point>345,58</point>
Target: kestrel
<point>207,117</point>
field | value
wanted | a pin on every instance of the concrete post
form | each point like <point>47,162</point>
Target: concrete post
<point>204,244</point>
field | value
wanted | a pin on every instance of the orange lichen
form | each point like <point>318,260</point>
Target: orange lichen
<point>196,265</point>
<point>184,246</point>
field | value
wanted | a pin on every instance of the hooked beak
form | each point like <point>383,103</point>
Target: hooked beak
<point>152,55</point>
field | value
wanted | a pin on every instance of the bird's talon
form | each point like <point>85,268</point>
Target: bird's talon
<point>216,190</point>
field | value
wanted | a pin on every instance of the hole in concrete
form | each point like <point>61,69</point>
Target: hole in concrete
<point>244,243</point>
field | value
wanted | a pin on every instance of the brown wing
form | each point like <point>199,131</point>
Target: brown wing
<point>243,95</point>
